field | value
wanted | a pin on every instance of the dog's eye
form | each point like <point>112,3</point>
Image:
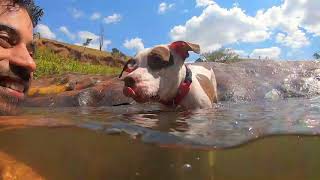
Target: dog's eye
<point>155,62</point>
<point>131,63</point>
<point>129,66</point>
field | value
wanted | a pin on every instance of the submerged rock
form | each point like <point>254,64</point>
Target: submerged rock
<point>273,95</point>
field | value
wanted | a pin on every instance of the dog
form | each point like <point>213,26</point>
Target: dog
<point>159,74</point>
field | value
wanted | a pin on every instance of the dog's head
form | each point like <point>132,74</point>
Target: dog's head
<point>154,73</point>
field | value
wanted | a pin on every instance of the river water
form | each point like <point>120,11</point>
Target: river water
<point>235,140</point>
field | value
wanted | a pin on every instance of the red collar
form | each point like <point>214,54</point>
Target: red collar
<point>183,90</point>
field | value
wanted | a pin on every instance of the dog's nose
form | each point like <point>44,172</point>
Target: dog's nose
<point>129,82</point>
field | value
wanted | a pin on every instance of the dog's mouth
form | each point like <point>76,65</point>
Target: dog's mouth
<point>13,86</point>
<point>137,96</point>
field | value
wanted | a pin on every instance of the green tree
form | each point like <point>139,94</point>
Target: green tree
<point>117,53</point>
<point>316,55</point>
<point>222,55</point>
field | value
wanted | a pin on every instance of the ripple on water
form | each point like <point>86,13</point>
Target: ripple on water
<point>228,125</point>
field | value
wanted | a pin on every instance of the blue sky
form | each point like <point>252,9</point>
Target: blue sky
<point>277,29</point>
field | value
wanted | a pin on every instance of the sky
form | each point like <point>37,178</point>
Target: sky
<point>274,29</point>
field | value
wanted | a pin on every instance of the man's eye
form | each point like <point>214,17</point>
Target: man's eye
<point>31,54</point>
<point>5,42</point>
<point>31,49</point>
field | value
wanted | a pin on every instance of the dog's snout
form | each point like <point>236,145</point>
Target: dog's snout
<point>129,82</point>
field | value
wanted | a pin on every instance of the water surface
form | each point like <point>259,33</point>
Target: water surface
<point>243,140</point>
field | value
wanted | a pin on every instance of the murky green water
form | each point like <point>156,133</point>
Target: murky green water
<point>270,140</point>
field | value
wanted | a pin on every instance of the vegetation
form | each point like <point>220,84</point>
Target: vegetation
<point>316,55</point>
<point>222,55</point>
<point>117,53</point>
<point>49,63</point>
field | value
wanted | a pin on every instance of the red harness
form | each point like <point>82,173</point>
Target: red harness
<point>183,90</point>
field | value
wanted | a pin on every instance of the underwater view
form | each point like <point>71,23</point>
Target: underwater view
<point>159,90</point>
<point>273,140</point>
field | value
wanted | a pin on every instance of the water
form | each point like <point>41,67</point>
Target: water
<point>235,140</point>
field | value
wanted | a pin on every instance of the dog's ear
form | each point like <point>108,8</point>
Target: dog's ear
<point>182,48</point>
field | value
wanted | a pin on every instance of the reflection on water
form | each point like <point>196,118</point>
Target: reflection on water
<point>145,142</point>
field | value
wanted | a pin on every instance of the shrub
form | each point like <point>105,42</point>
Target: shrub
<point>222,55</point>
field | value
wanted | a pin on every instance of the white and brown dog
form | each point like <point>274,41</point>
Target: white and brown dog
<point>159,74</point>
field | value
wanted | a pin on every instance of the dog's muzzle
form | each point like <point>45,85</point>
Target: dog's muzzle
<point>129,87</point>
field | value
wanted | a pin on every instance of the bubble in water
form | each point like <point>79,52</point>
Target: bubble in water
<point>187,167</point>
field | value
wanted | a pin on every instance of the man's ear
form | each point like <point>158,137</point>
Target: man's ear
<point>182,48</point>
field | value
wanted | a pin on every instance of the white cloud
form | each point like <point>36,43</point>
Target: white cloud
<point>218,26</point>
<point>295,40</point>
<point>66,31</point>
<point>95,16</point>
<point>293,18</point>
<point>76,13</point>
<point>204,3</point>
<point>84,35</point>
<point>269,53</point>
<point>45,31</point>
<point>164,7</point>
<point>215,27</point>
<point>135,43</point>
<point>115,18</point>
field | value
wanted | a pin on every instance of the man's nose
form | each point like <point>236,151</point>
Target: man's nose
<point>20,56</point>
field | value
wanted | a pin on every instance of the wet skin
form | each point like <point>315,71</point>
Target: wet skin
<point>16,61</point>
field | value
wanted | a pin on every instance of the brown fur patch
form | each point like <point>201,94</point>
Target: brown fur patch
<point>162,51</point>
<point>207,87</point>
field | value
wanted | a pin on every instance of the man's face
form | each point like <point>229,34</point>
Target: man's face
<point>16,62</point>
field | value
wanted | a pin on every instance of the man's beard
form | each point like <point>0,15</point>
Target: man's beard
<point>8,104</point>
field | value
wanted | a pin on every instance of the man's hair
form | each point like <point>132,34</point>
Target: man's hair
<point>34,11</point>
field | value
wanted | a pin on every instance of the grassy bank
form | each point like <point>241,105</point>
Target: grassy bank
<point>49,63</point>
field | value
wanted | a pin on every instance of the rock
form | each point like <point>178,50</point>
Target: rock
<point>77,90</point>
<point>273,95</point>
<point>256,80</point>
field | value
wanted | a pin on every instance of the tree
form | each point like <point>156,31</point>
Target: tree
<point>222,55</point>
<point>88,40</point>
<point>117,53</point>
<point>85,44</point>
<point>101,37</point>
<point>316,55</point>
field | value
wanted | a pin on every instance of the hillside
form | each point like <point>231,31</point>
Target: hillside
<point>57,58</point>
<point>80,53</point>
